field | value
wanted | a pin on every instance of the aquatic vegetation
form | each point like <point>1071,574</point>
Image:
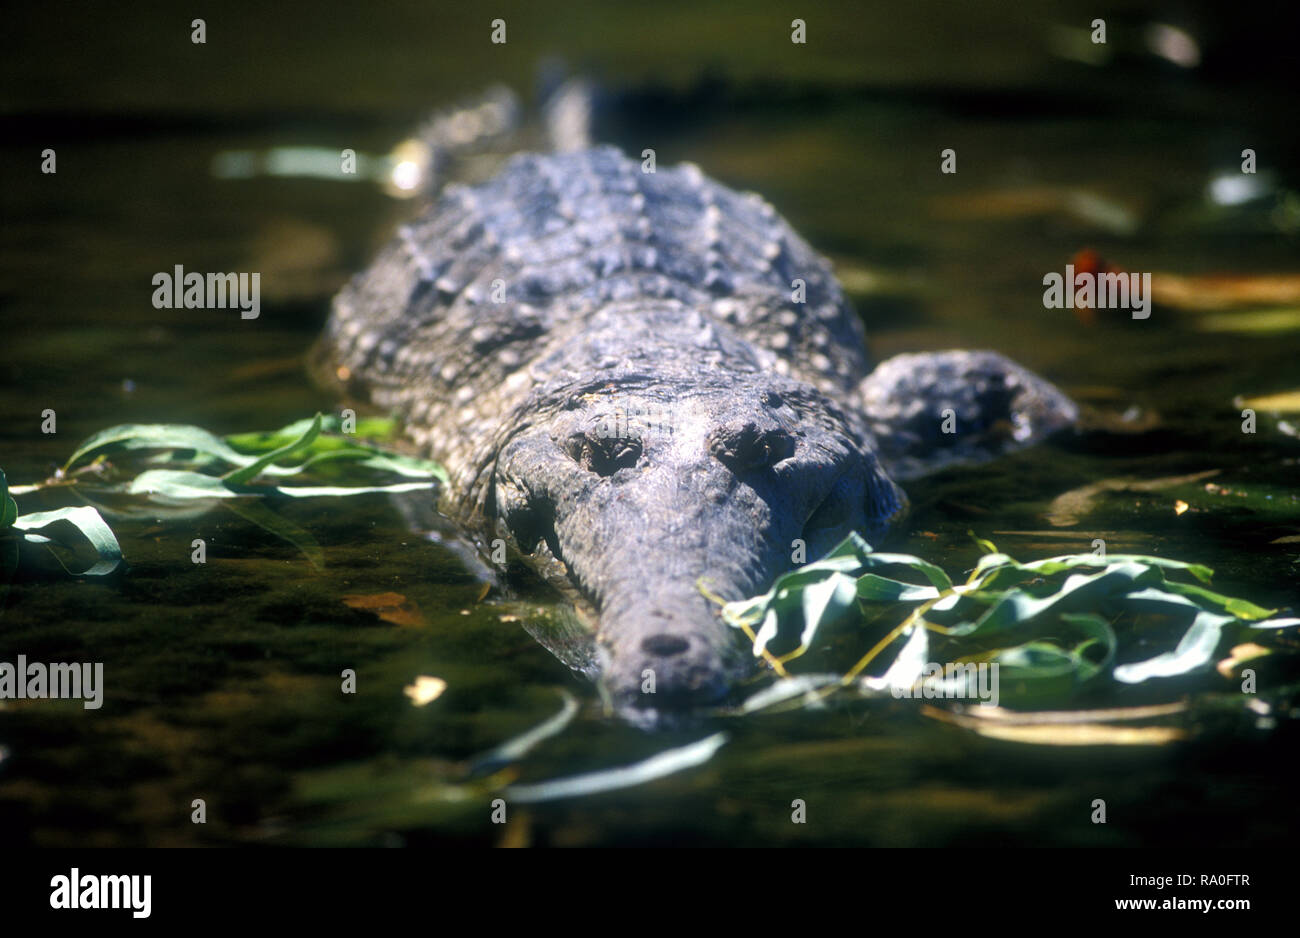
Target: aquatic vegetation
<point>1049,626</point>
<point>60,530</point>
<point>174,465</point>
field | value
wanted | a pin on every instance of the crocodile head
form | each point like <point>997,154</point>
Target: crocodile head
<point>637,492</point>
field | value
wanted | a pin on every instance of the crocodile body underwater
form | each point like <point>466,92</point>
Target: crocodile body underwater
<point>639,379</point>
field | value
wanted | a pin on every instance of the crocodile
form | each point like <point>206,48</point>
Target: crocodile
<point>638,379</point>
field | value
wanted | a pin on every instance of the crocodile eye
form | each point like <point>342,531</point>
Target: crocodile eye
<point>829,515</point>
<point>603,455</point>
<point>838,512</point>
<point>525,519</point>
<point>743,446</point>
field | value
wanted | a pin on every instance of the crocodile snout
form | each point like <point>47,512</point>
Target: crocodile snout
<point>662,663</point>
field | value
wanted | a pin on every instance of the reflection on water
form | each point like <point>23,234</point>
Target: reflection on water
<point>223,679</point>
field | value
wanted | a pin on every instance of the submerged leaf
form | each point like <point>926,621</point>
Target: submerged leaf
<point>512,750</point>
<point>1083,734</point>
<point>801,685</point>
<point>270,521</point>
<point>391,607</point>
<point>1068,508</point>
<point>1285,402</point>
<point>425,690</point>
<point>657,766</point>
<point>1240,655</point>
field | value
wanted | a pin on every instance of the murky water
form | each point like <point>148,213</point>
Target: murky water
<point>223,679</point>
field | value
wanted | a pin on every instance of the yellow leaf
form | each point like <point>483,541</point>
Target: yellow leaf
<point>1284,402</point>
<point>1240,655</point>
<point>425,690</point>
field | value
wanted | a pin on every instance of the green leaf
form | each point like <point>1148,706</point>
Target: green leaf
<point>1195,650</point>
<point>180,483</point>
<point>854,545</point>
<point>1239,608</point>
<point>338,491</point>
<point>8,507</point>
<point>875,588</point>
<point>801,685</point>
<point>910,664</point>
<point>303,437</point>
<point>156,436</point>
<point>1064,604</point>
<point>86,522</point>
<point>664,763</point>
<point>1019,606</point>
<point>1275,624</point>
<point>825,602</point>
<point>1098,632</point>
<point>938,579</point>
<point>252,470</point>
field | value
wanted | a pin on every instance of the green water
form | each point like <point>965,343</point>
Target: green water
<point>223,679</point>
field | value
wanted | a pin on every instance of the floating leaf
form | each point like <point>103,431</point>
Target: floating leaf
<point>1276,624</point>
<point>875,588</point>
<point>156,436</point>
<point>1018,607</point>
<point>305,439</point>
<point>369,428</point>
<point>907,667</point>
<point>249,472</point>
<point>8,507</point>
<point>1195,649</point>
<point>1058,612</point>
<point>824,602</point>
<point>183,484</point>
<point>1237,608</point>
<point>180,483</point>
<point>87,523</point>
<point>339,491</point>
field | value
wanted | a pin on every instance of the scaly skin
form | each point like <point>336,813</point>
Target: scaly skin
<point>614,369</point>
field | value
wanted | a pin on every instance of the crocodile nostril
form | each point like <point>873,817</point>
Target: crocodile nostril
<point>745,446</point>
<point>603,455</point>
<point>664,646</point>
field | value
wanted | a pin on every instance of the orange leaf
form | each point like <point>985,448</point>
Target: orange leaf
<point>391,607</point>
